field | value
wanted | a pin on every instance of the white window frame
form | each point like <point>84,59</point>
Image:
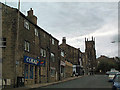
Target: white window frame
<point>43,52</point>
<point>26,46</point>
<point>52,57</point>
<point>53,41</point>
<point>26,25</point>
<point>62,54</point>
<point>36,32</point>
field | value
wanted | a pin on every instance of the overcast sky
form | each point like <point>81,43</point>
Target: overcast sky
<point>77,20</point>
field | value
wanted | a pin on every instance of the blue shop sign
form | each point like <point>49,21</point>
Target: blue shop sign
<point>33,61</point>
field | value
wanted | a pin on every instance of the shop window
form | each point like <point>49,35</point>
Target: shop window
<point>52,73</point>
<point>26,24</point>
<point>31,72</point>
<point>27,46</point>
<point>53,41</point>
<point>43,52</point>
<point>36,32</point>
<point>40,71</point>
<point>52,57</point>
<point>26,71</point>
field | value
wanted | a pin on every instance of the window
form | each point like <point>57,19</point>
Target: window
<point>117,78</point>
<point>3,42</point>
<point>44,35</point>
<point>93,46</point>
<point>36,32</point>
<point>26,71</point>
<point>39,71</point>
<point>62,54</point>
<point>27,46</point>
<point>52,73</point>
<point>62,69</point>
<point>26,24</point>
<point>52,57</point>
<point>31,72</point>
<point>43,52</point>
<point>80,60</point>
<point>53,41</point>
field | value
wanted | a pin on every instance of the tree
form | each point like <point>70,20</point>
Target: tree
<point>105,64</point>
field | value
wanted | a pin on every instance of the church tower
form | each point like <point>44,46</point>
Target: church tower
<point>90,55</point>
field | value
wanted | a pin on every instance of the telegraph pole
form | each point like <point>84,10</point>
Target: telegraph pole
<point>17,44</point>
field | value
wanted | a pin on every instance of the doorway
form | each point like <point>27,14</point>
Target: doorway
<point>36,74</point>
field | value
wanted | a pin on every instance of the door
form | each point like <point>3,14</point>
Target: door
<point>35,74</point>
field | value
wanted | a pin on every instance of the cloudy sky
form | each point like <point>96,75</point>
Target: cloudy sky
<point>77,20</point>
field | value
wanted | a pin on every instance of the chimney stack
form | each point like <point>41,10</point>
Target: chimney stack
<point>92,38</point>
<point>64,40</point>
<point>32,17</point>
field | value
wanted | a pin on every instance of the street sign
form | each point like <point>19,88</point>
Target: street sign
<point>33,61</point>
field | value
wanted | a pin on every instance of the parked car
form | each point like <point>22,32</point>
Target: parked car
<point>116,82</point>
<point>111,76</point>
<point>107,73</point>
<point>111,71</point>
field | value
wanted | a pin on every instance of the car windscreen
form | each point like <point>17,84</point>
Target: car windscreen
<point>117,78</point>
<point>112,73</point>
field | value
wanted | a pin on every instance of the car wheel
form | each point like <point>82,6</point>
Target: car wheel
<point>114,88</point>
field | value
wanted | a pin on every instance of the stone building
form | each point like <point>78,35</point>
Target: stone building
<point>90,56</point>
<point>73,55</point>
<point>62,63</point>
<point>85,67</point>
<point>66,67</point>
<point>29,53</point>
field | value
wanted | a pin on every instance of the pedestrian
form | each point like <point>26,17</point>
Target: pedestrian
<point>73,73</point>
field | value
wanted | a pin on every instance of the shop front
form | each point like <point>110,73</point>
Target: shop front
<point>32,74</point>
<point>68,69</point>
<point>62,69</point>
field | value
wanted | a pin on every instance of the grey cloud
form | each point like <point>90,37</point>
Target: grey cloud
<point>83,17</point>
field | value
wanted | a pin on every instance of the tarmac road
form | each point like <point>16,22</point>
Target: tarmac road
<point>93,81</point>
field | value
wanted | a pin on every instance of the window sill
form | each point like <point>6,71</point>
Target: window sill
<point>26,51</point>
<point>52,76</point>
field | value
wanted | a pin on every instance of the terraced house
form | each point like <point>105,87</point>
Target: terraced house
<point>29,53</point>
<point>73,58</point>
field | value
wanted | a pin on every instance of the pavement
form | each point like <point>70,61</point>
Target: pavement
<point>53,83</point>
<point>28,87</point>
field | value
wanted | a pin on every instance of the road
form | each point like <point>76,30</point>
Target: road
<point>93,81</point>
